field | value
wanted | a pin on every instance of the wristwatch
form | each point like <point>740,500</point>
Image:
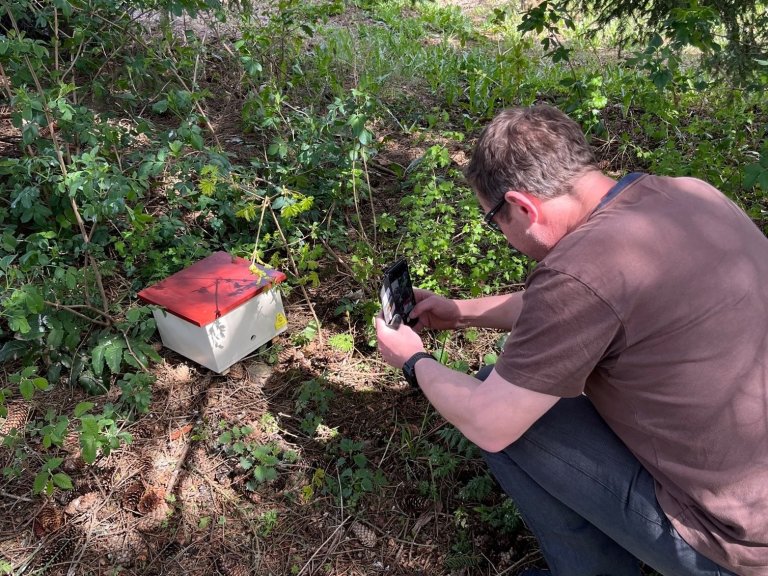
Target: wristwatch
<point>409,368</point>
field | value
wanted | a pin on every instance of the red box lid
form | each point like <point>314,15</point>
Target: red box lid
<point>210,288</point>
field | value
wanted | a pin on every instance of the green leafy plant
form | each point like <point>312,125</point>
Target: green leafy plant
<point>457,252</point>
<point>342,342</point>
<point>28,382</point>
<point>47,478</point>
<point>353,476</point>
<point>260,461</point>
<point>313,402</point>
<point>99,433</point>
<point>268,521</point>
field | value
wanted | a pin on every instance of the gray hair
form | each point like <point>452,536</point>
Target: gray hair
<point>538,150</point>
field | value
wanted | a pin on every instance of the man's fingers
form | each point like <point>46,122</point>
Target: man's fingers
<point>381,324</point>
<point>420,308</point>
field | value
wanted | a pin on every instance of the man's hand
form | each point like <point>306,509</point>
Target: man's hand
<point>396,345</point>
<point>434,312</point>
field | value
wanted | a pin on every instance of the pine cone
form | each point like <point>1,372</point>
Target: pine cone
<point>59,549</point>
<point>231,567</point>
<point>16,418</point>
<point>151,499</point>
<point>132,495</point>
<point>132,549</point>
<point>64,497</point>
<point>415,503</point>
<point>104,474</point>
<point>146,428</point>
<point>47,521</point>
<point>364,534</point>
<point>73,464</point>
<point>82,504</point>
<point>153,519</point>
<point>236,371</point>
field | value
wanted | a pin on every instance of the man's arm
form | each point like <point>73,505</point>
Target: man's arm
<point>436,312</point>
<point>492,413</point>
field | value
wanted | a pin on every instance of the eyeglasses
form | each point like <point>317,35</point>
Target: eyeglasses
<point>488,218</point>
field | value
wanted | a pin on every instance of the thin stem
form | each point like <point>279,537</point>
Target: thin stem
<point>296,272</point>
<point>357,205</point>
<point>71,310</point>
<point>370,197</point>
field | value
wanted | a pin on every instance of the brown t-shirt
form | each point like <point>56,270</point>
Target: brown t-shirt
<point>656,307</point>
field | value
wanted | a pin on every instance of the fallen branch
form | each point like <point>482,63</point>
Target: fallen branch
<point>71,309</point>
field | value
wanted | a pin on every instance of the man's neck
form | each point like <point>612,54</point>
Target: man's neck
<point>589,189</point>
<point>569,211</point>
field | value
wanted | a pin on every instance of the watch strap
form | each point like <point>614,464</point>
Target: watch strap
<point>409,368</point>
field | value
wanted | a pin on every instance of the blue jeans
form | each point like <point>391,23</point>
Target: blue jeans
<point>589,501</point>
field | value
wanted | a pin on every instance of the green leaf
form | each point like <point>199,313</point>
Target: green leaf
<point>27,389</point>
<point>6,261</point>
<point>133,315</point>
<point>39,484</point>
<point>113,354</point>
<point>763,180</point>
<point>197,141</point>
<point>63,481</point>
<point>751,174</point>
<point>89,446</point>
<point>40,383</point>
<point>82,408</point>
<point>97,358</point>
<point>19,324</point>
<point>661,78</point>
<point>175,147</point>
<point>360,460</point>
<point>342,342</point>
<point>264,474</point>
<point>55,338</point>
<point>13,350</point>
<point>52,464</point>
<point>150,352</point>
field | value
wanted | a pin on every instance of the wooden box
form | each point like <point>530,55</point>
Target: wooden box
<point>217,311</point>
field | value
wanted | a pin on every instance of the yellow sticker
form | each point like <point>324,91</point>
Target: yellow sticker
<point>280,321</point>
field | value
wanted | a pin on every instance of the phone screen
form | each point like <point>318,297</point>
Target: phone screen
<point>397,297</point>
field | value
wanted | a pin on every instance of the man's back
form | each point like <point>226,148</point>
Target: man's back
<point>661,300</point>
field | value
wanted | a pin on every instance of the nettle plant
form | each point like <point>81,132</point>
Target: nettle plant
<point>261,463</point>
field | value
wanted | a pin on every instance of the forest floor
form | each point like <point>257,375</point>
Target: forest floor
<point>176,501</point>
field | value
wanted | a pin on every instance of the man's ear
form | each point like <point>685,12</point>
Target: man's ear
<point>530,205</point>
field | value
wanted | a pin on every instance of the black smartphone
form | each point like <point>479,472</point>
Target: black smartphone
<point>397,297</point>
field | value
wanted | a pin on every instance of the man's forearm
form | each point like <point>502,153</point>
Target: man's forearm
<point>492,413</point>
<point>499,312</point>
<point>449,392</point>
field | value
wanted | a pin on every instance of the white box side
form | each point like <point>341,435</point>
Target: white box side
<point>228,339</point>
<point>244,329</point>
